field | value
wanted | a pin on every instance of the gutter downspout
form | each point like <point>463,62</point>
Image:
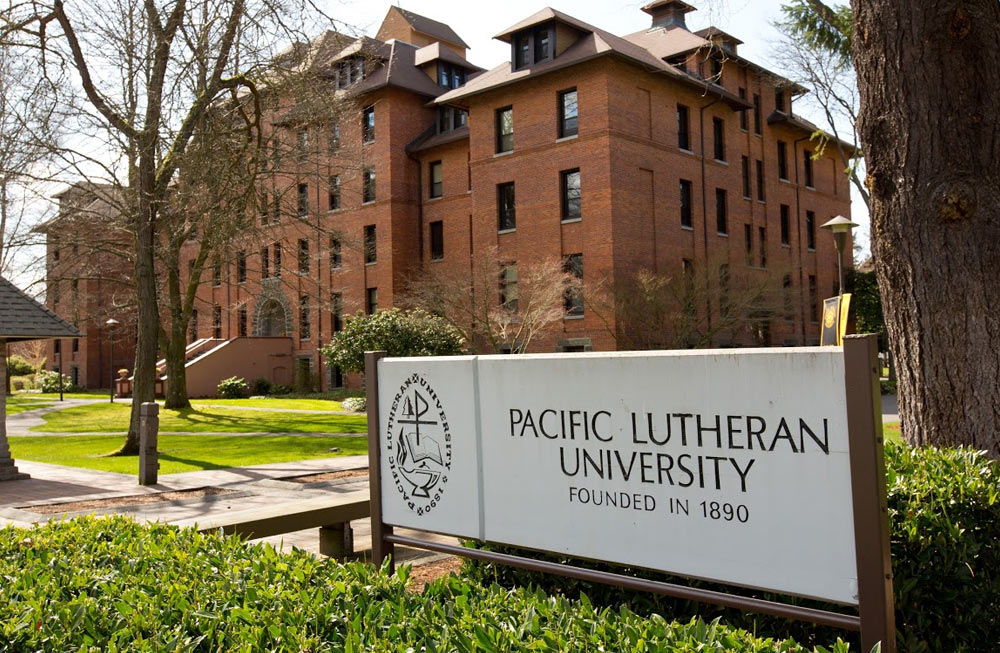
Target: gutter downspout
<point>798,231</point>
<point>704,209</point>
<point>420,206</point>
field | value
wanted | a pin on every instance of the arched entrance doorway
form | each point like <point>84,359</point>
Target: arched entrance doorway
<point>272,319</point>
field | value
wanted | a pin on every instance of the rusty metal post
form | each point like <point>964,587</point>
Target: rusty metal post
<point>871,511</point>
<point>381,549</point>
<point>149,428</point>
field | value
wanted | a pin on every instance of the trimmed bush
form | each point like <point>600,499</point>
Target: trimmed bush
<point>233,388</point>
<point>260,386</point>
<point>944,506</point>
<point>48,381</point>
<point>354,404</point>
<point>22,383</point>
<point>112,584</point>
<point>18,366</point>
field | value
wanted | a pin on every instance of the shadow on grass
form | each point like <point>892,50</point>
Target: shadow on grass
<point>199,464</point>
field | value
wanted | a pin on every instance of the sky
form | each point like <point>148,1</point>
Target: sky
<point>477,22</point>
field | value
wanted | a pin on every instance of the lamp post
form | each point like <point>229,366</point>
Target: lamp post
<point>840,226</point>
<point>111,324</point>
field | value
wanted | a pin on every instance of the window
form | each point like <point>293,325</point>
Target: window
<point>368,185</point>
<point>265,270</point>
<point>756,114</point>
<point>303,256</point>
<point>216,321</point>
<point>371,251</point>
<point>810,230</point>
<point>349,71</point>
<point>264,209</point>
<point>762,246</point>
<point>371,300</point>
<point>437,182</point>
<point>813,299</point>
<point>568,113</point>
<point>779,100</point>
<point>335,259</point>
<point>748,243</point>
<point>437,240</point>
<point>368,125</point>
<point>57,346</point>
<point>75,346</point>
<point>743,114</point>
<point>721,212</point>
<point>506,217</point>
<point>337,311</point>
<point>450,118</point>
<point>275,207</point>
<point>241,320</point>
<point>303,200</point>
<point>569,191</point>
<point>573,299</point>
<point>760,180</point>
<point>192,326</point>
<point>450,75</point>
<point>786,284</point>
<point>302,144</point>
<point>807,160</point>
<point>745,171</point>
<point>532,46</point>
<point>686,203</point>
<point>508,286</point>
<point>505,129</point>
<point>683,128</point>
<point>305,325</point>
<point>724,305</point>
<point>216,274</point>
<point>334,192</point>
<point>782,160</point>
<point>785,235</point>
<point>333,138</point>
<point>716,71</point>
<point>719,138</point>
<point>55,255</point>
<point>276,251</point>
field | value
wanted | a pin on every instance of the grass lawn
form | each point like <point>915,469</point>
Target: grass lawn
<point>21,403</point>
<point>891,433</point>
<point>80,394</point>
<point>113,418</point>
<point>273,402</point>
<point>182,453</point>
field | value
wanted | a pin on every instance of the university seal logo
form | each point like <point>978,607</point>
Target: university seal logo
<point>418,444</point>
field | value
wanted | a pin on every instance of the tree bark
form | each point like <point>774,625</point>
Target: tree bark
<point>929,77</point>
<point>176,349</point>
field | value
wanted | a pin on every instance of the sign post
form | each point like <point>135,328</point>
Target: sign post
<point>755,468</point>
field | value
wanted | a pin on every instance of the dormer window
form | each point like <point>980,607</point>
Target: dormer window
<point>533,45</point>
<point>450,118</point>
<point>779,101</point>
<point>349,70</point>
<point>450,75</point>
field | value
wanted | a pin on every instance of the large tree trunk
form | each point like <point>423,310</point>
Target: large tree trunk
<point>176,349</point>
<point>929,76</point>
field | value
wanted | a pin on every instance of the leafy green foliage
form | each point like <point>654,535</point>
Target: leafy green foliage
<point>260,386</point>
<point>48,381</point>
<point>819,25</point>
<point>355,404</point>
<point>944,506</point>
<point>233,388</point>
<point>400,333</point>
<point>18,366</point>
<point>113,585</point>
<point>866,304</point>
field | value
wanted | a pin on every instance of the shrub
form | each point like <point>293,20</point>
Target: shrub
<point>233,388</point>
<point>260,386</point>
<point>18,366</point>
<point>399,333</point>
<point>355,404</point>
<point>22,383</point>
<point>944,506</point>
<point>48,381</point>
<point>112,584</point>
<point>888,387</point>
<point>279,389</point>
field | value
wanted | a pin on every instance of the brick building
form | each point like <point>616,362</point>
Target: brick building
<point>663,150</point>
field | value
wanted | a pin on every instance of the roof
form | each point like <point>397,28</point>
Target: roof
<point>435,51</point>
<point>595,43</point>
<point>801,124</point>
<point>431,139</point>
<point>430,27</point>
<point>399,71</point>
<point>662,3</point>
<point>709,32</point>
<point>22,318</point>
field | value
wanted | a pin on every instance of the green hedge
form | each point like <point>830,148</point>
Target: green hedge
<point>112,585</point>
<point>944,506</point>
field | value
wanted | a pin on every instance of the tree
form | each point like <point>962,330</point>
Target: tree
<point>929,78</point>
<point>150,74</point>
<point>497,305</point>
<point>668,311</point>
<point>398,333</point>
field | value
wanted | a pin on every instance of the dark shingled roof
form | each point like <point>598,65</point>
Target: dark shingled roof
<point>22,318</point>
<point>431,27</point>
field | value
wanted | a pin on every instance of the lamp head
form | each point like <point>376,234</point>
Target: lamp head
<point>112,323</point>
<point>840,225</point>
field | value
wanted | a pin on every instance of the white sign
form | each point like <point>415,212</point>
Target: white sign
<point>724,465</point>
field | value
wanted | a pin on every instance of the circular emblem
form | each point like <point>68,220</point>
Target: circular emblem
<point>418,444</point>
<point>829,316</point>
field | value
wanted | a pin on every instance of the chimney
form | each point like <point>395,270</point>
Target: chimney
<point>668,13</point>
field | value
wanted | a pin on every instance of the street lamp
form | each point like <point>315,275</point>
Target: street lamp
<point>111,324</point>
<point>840,226</point>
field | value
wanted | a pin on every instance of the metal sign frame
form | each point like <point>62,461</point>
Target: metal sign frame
<point>876,614</point>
